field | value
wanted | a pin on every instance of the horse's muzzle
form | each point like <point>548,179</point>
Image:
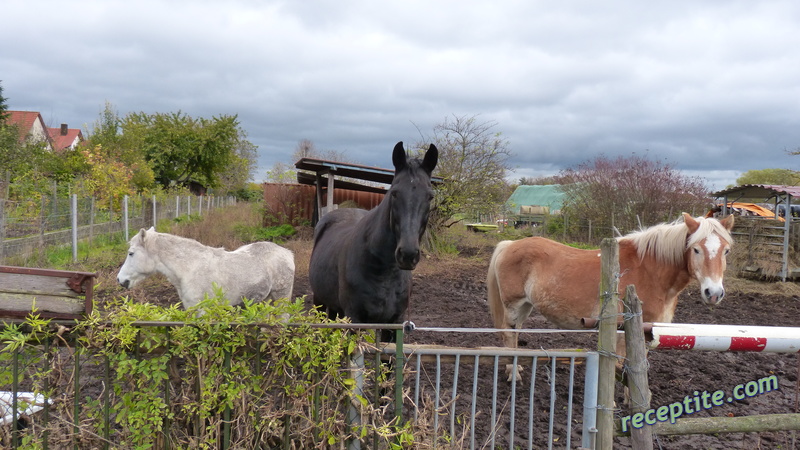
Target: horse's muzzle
<point>713,296</point>
<point>124,283</point>
<point>406,260</point>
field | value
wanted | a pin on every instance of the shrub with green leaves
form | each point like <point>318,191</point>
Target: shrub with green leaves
<point>139,375</point>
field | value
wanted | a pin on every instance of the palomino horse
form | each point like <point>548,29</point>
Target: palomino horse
<point>362,260</point>
<point>563,282</point>
<point>255,271</point>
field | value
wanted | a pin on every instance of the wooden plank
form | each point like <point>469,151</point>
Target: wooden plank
<point>54,293</point>
<point>35,284</point>
<point>46,303</point>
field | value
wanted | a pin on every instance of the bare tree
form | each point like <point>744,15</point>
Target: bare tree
<point>628,192</point>
<point>473,162</point>
<point>305,149</point>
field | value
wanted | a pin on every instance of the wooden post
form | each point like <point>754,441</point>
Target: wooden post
<point>607,342</point>
<point>636,368</point>
<point>329,205</point>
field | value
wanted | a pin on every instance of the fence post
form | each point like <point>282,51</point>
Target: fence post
<point>42,221</point>
<point>607,342</point>
<point>125,215</point>
<point>177,206</point>
<point>91,220</point>
<point>155,218</point>
<point>2,228</point>
<point>636,368</point>
<point>74,227</point>
<point>353,409</point>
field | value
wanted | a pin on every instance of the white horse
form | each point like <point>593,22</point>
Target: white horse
<point>255,271</point>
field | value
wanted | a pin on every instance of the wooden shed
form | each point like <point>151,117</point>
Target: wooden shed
<point>323,185</point>
<point>764,246</point>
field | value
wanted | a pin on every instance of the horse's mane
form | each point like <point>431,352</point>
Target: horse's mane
<point>667,241</point>
<point>174,239</point>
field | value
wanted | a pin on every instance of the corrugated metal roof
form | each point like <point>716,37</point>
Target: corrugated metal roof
<point>357,171</point>
<point>758,191</point>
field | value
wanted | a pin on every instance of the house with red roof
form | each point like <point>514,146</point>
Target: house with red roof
<point>32,129</point>
<point>64,138</point>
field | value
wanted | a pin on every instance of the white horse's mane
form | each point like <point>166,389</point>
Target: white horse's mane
<point>667,241</point>
<point>173,239</point>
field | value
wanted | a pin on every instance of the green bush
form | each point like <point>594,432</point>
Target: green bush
<point>214,375</point>
<point>276,234</point>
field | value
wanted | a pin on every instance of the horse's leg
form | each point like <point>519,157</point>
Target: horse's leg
<point>509,304</point>
<point>516,312</point>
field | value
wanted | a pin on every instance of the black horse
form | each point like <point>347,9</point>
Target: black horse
<point>362,260</point>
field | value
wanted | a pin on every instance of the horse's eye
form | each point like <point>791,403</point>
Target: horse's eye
<point>696,251</point>
<point>130,253</point>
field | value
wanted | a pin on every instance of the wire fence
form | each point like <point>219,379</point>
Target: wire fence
<point>26,226</point>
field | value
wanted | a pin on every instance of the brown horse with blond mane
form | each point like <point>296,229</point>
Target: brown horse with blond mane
<point>563,282</point>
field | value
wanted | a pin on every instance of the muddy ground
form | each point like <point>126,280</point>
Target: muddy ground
<point>451,292</point>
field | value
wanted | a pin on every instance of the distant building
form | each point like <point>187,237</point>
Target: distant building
<point>65,138</point>
<point>32,130</point>
<point>524,197</point>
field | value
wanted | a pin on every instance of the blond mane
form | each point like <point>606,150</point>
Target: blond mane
<point>667,242</point>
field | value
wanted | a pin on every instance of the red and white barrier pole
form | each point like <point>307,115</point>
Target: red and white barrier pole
<point>726,338</point>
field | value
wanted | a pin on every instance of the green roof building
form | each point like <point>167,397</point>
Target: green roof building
<point>550,196</point>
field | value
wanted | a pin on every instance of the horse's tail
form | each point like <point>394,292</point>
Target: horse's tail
<point>496,306</point>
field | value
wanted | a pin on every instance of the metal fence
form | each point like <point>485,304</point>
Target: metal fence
<point>27,226</point>
<point>458,395</point>
<point>477,407</point>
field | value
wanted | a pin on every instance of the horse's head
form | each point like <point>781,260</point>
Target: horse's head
<point>707,246</point>
<point>139,264</point>
<point>410,200</point>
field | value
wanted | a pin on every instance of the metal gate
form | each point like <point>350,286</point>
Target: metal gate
<point>476,406</point>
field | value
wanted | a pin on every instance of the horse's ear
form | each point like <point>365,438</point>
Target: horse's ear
<point>727,222</point>
<point>399,157</point>
<point>691,223</point>
<point>431,158</point>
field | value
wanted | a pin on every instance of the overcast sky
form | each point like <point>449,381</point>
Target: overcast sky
<point>711,87</point>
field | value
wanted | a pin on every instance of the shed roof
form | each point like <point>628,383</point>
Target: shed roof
<point>356,171</point>
<point>551,196</point>
<point>758,191</point>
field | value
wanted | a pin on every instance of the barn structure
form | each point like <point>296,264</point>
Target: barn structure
<point>765,246</point>
<point>532,204</point>
<point>322,185</point>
